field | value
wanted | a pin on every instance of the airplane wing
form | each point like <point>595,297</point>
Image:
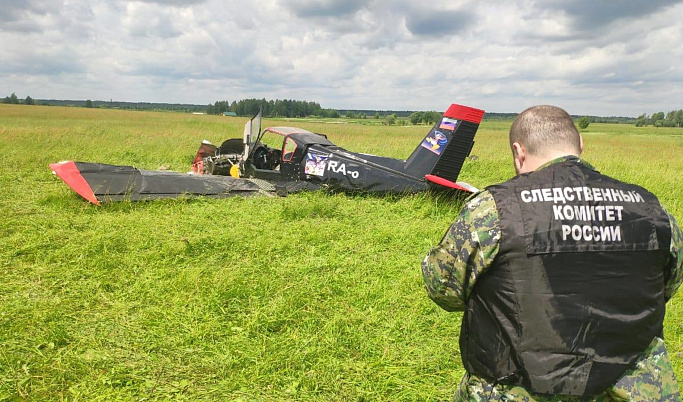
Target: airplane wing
<point>98,183</point>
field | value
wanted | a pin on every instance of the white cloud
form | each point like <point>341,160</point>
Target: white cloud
<point>619,58</point>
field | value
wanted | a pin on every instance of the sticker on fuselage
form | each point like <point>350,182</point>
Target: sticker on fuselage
<point>435,142</point>
<point>315,164</point>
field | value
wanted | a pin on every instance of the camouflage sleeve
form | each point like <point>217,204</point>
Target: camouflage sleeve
<point>651,379</point>
<point>466,251</point>
<point>676,263</point>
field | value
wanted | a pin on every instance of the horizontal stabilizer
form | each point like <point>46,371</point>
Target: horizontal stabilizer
<point>461,185</point>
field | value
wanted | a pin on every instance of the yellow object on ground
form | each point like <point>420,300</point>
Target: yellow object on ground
<point>235,171</point>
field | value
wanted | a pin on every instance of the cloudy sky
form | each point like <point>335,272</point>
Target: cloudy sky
<point>603,57</point>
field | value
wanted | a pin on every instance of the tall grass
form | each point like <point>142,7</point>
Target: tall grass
<point>314,296</point>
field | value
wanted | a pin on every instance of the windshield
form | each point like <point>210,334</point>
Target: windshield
<point>252,128</point>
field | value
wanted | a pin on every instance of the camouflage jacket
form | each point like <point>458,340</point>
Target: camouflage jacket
<point>467,251</point>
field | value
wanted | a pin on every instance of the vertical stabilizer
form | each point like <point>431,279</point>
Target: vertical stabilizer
<point>443,151</point>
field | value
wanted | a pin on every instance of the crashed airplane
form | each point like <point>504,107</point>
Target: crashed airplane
<point>294,160</point>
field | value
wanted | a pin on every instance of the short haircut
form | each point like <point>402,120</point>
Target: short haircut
<point>545,129</point>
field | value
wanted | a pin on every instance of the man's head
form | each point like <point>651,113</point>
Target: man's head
<point>540,134</point>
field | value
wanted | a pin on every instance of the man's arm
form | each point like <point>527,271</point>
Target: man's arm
<point>466,251</point>
<point>676,262</point>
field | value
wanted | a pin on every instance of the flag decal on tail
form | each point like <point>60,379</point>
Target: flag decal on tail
<point>448,124</point>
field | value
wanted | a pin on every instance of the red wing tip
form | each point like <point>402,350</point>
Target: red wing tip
<point>69,173</point>
<point>466,113</point>
<point>57,165</point>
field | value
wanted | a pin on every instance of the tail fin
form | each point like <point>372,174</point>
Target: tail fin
<point>443,151</point>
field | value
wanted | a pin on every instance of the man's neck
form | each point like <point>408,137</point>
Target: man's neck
<point>534,162</point>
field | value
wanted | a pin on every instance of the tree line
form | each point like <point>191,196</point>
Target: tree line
<point>271,108</point>
<point>14,100</point>
<point>424,117</point>
<point>110,104</point>
<point>673,118</point>
<point>297,108</point>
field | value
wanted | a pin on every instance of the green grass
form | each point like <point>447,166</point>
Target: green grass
<point>310,297</point>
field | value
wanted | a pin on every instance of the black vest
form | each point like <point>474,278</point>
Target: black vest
<point>576,291</point>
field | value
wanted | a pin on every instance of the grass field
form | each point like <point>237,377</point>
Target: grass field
<point>310,297</point>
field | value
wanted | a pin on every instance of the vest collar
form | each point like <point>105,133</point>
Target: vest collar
<point>567,158</point>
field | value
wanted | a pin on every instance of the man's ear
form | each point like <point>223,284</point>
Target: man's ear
<point>580,144</point>
<point>519,156</point>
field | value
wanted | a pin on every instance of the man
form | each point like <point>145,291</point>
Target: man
<point>563,274</point>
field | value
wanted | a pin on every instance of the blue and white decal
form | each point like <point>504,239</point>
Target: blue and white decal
<point>315,164</point>
<point>435,142</point>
